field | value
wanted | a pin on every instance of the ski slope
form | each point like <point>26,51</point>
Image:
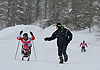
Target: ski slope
<point>46,52</point>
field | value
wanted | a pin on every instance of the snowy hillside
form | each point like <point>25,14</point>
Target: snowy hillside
<point>46,52</point>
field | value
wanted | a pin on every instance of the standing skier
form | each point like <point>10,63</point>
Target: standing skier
<point>83,44</point>
<point>26,44</point>
<point>64,36</point>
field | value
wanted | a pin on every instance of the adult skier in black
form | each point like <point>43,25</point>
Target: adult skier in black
<point>64,36</point>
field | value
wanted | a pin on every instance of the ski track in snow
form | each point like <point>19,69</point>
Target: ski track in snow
<point>46,52</point>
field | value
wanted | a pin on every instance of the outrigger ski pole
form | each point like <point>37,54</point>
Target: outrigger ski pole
<point>17,49</point>
<point>34,51</point>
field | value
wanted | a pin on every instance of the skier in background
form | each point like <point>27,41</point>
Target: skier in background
<point>64,36</point>
<point>83,45</point>
<point>26,44</point>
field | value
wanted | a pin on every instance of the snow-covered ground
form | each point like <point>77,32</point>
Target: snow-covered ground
<point>46,52</point>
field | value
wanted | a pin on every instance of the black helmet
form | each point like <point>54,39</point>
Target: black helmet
<point>83,41</point>
<point>58,25</point>
<point>25,35</point>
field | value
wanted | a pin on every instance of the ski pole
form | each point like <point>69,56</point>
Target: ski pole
<point>17,49</point>
<point>34,51</point>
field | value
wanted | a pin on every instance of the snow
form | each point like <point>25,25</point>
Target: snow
<point>19,11</point>
<point>96,3</point>
<point>46,52</point>
<point>70,10</point>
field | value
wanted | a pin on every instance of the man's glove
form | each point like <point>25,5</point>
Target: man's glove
<point>46,39</point>
<point>21,32</point>
<point>31,33</point>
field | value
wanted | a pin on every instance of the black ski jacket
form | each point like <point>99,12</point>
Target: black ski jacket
<point>63,35</point>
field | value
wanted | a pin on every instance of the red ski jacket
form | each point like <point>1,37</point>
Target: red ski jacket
<point>26,42</point>
<point>83,44</point>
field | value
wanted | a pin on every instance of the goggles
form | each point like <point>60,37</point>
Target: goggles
<point>58,25</point>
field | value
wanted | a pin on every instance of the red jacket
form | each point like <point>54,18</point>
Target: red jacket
<point>83,44</point>
<point>26,42</point>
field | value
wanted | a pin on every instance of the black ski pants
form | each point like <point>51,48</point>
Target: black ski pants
<point>62,50</point>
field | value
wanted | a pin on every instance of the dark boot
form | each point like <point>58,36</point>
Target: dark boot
<point>28,59</point>
<point>84,50</point>
<point>61,59</point>
<point>65,58</point>
<point>22,58</point>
